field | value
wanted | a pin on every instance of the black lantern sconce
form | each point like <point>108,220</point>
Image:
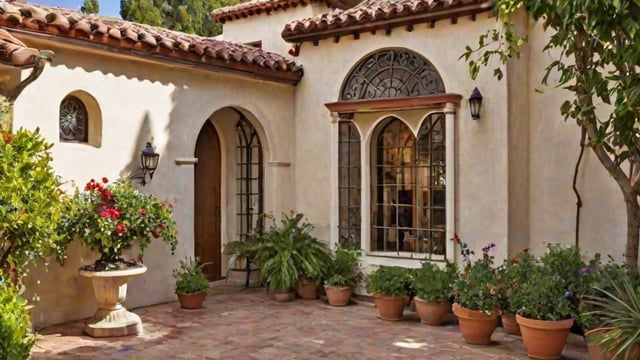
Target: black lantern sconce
<point>148,164</point>
<point>475,104</point>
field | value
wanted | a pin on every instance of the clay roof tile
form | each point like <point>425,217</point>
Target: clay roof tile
<point>95,28</point>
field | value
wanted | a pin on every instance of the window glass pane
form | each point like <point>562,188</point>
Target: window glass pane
<point>349,182</point>
<point>249,178</point>
<point>408,188</point>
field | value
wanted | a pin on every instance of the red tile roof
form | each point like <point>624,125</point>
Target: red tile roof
<point>257,7</point>
<point>14,52</point>
<point>371,15</point>
<point>142,40</point>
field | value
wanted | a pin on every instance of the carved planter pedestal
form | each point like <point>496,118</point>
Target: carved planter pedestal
<point>110,290</point>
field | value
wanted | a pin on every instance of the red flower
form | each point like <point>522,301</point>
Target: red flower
<point>516,261</point>
<point>105,180</point>
<point>8,138</point>
<point>121,228</point>
<point>155,233</point>
<point>170,206</point>
<point>526,250</point>
<point>163,225</point>
<point>115,214</point>
<point>106,194</point>
<point>142,212</point>
<point>105,213</point>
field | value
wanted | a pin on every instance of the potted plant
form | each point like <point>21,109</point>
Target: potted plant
<point>617,310</point>
<point>241,265</point>
<point>343,275</point>
<point>16,336</point>
<point>287,254</point>
<point>434,288</point>
<point>547,302</point>
<point>109,218</point>
<point>191,284</point>
<point>390,288</point>
<point>509,275</point>
<point>476,296</point>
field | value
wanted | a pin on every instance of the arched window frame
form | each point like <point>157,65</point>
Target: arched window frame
<point>74,120</point>
<point>249,178</point>
<point>90,112</point>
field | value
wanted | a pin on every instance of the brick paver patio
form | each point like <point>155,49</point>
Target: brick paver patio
<point>249,325</point>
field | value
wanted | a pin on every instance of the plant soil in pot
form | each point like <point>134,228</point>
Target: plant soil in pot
<point>338,295</point>
<point>476,326</point>
<point>544,339</point>
<point>431,312</point>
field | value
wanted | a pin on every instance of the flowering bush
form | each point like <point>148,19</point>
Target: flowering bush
<point>476,288</point>
<point>111,217</point>
<point>511,274</point>
<point>551,290</point>
<point>30,203</point>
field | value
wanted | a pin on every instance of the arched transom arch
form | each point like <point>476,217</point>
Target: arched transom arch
<point>390,73</point>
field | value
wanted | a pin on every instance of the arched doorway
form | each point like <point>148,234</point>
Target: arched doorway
<point>207,201</point>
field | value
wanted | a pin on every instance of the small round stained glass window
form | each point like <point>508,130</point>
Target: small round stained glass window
<point>73,120</point>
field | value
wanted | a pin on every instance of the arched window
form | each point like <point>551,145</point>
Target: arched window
<point>74,120</point>
<point>408,188</point>
<point>249,176</point>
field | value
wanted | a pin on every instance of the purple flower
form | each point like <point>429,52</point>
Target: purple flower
<point>568,294</point>
<point>585,271</point>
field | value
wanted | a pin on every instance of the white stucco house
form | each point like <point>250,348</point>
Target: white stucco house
<point>355,114</point>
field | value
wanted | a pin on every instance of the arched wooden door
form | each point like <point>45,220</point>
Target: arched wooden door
<point>208,201</point>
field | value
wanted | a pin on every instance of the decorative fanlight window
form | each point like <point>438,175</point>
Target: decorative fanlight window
<point>249,178</point>
<point>392,73</point>
<point>73,120</point>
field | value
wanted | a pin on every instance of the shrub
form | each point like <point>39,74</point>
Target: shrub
<point>435,283</point>
<point>16,337</point>
<point>389,280</point>
<point>477,286</point>
<point>344,268</point>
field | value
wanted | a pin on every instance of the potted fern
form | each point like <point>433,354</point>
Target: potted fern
<point>289,255</point>
<point>191,284</point>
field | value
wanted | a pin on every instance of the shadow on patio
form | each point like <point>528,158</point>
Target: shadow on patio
<point>248,325</point>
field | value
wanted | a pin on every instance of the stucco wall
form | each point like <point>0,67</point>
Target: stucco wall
<point>554,149</point>
<point>267,27</point>
<point>141,102</point>
<point>482,157</point>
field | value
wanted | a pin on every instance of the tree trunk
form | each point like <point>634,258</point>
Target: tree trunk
<point>633,231</point>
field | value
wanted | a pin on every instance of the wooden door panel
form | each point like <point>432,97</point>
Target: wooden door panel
<point>208,201</point>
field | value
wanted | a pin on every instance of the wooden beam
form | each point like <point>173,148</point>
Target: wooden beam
<point>385,104</point>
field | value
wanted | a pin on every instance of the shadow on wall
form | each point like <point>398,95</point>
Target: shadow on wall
<point>144,135</point>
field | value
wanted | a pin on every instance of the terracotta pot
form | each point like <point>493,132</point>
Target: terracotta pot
<point>510,325</point>
<point>284,296</point>
<point>307,288</point>
<point>337,295</point>
<point>544,339</point>
<point>431,312</point>
<point>192,301</point>
<point>595,351</point>
<point>390,307</point>
<point>476,326</point>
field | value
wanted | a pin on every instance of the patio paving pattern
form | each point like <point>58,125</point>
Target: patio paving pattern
<point>249,325</point>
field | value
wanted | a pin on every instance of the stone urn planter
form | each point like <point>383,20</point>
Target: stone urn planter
<point>476,326</point>
<point>110,290</point>
<point>431,312</point>
<point>544,339</point>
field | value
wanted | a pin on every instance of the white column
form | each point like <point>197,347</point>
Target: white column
<point>450,118</point>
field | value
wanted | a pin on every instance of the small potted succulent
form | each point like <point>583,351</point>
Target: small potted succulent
<point>343,275</point>
<point>192,284</point>
<point>434,288</point>
<point>390,286</point>
<point>476,296</point>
